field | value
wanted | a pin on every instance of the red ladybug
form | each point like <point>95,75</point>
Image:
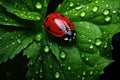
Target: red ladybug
<point>59,25</point>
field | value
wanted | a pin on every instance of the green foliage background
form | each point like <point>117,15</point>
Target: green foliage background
<point>21,29</point>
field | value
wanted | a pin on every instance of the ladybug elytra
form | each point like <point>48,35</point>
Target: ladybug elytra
<point>59,25</point>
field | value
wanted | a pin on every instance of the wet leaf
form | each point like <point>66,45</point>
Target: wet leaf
<point>12,41</point>
<point>95,11</point>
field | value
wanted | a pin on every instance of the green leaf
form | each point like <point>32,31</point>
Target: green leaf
<point>12,41</point>
<point>108,31</point>
<point>98,12</point>
<point>35,63</point>
<point>95,23</point>
<point>82,60</point>
<point>23,9</point>
<point>23,13</point>
<point>12,20</point>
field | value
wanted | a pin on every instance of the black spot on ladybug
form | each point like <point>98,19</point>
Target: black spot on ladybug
<point>54,19</point>
<point>62,16</point>
<point>48,28</point>
<point>46,19</point>
<point>69,24</point>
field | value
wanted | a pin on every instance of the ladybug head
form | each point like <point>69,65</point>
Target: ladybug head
<point>70,35</point>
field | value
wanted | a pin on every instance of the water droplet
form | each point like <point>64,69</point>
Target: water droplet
<point>18,40</point>
<point>83,78</point>
<point>98,42</point>
<point>87,59</point>
<point>91,46</point>
<point>30,63</point>
<point>51,66</point>
<point>38,5</point>
<point>89,40</point>
<point>106,12</point>
<point>33,79</point>
<point>7,46</point>
<point>96,1</point>
<point>39,58</point>
<point>69,67</point>
<point>82,55</point>
<point>107,5</point>
<point>13,43</point>
<point>114,11</point>
<point>62,65</point>
<point>41,70</point>
<point>38,37</point>
<point>82,14</point>
<point>57,75</point>
<point>71,4</point>
<point>78,76</point>
<point>95,65</point>
<point>46,49</point>
<point>0,38</point>
<point>87,7</point>
<point>107,19</point>
<point>91,72</point>
<point>95,8</point>
<point>0,2</point>
<point>78,7</point>
<point>84,73</point>
<point>36,72</point>
<point>63,55</point>
<point>105,45</point>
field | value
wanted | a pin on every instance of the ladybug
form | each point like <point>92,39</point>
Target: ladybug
<point>60,26</point>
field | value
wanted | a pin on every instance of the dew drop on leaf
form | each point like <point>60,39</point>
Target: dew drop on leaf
<point>89,40</point>
<point>46,49</point>
<point>78,8</point>
<point>87,59</point>
<point>33,79</point>
<point>82,55</point>
<point>91,72</point>
<point>106,12</point>
<point>7,46</point>
<point>30,63</point>
<point>95,8</point>
<point>107,18</point>
<point>0,38</point>
<point>36,72</point>
<point>18,40</point>
<point>41,70</point>
<point>78,76</point>
<point>95,65</point>
<point>82,14</point>
<point>91,46</point>
<point>83,78</point>
<point>69,67</point>
<point>39,58</point>
<point>38,37</point>
<point>51,66</point>
<point>98,42</point>
<point>71,4</point>
<point>96,1</point>
<point>13,43</point>
<point>113,11</point>
<point>63,55</point>
<point>57,75</point>
<point>38,5</point>
<point>6,19</point>
<point>105,45</point>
